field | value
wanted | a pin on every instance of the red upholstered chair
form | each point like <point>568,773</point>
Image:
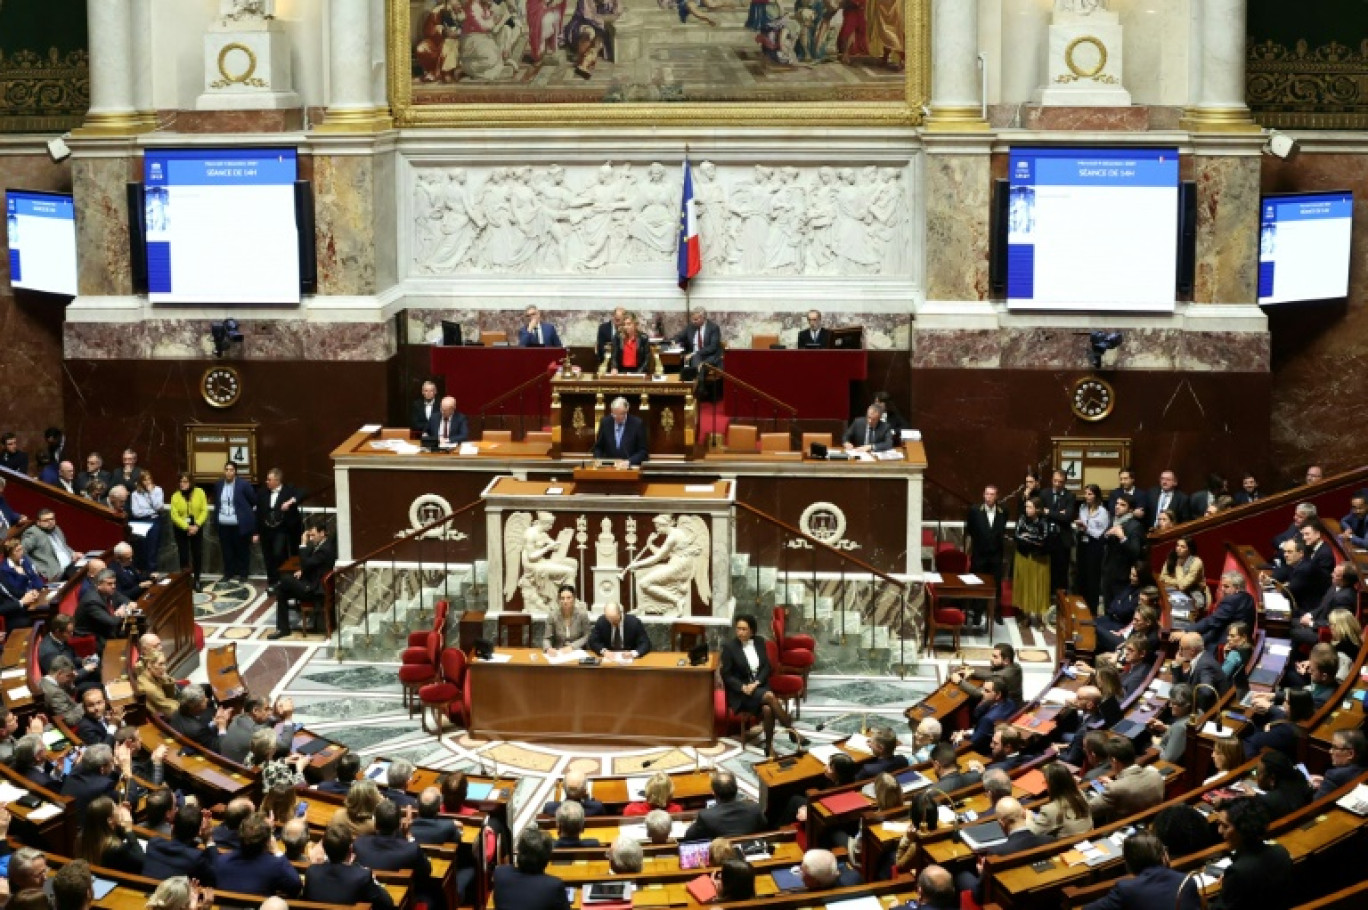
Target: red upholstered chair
<point>951,560</point>
<point>83,645</point>
<point>725,720</point>
<point>413,677</point>
<point>419,639</point>
<point>789,688</point>
<point>446,697</point>
<point>787,642</point>
<point>941,619</point>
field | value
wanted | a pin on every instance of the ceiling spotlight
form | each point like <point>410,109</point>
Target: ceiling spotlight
<point>1100,343</point>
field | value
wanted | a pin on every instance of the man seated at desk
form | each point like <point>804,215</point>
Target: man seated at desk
<point>621,437</point>
<point>447,426</point>
<point>814,336</point>
<point>535,333</point>
<point>869,433</point>
<point>616,633</point>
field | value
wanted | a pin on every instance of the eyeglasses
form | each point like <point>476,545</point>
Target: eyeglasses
<point>1340,749</point>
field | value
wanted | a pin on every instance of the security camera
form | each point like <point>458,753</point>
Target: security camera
<point>58,150</point>
<point>1281,145</point>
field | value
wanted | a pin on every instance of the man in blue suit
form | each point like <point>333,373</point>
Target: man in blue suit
<point>448,425</point>
<point>1235,603</point>
<point>388,850</point>
<point>525,885</point>
<point>993,709</point>
<point>621,436</point>
<point>340,882</point>
<point>1154,884</point>
<point>235,521</point>
<point>537,334</point>
<point>253,869</point>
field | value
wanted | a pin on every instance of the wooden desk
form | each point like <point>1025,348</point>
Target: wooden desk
<point>951,588</point>
<point>169,608</point>
<point>221,666</point>
<point>665,406</point>
<point>210,772</point>
<point>653,700</point>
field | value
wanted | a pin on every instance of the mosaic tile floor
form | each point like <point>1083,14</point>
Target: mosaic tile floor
<point>359,703</point>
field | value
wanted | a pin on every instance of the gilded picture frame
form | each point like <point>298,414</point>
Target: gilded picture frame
<point>416,102</point>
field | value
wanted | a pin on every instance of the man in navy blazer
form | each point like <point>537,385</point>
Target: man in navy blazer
<point>235,521</point>
<point>1321,557</point>
<point>728,816</point>
<point>537,334</point>
<point>616,631</point>
<point>701,340</point>
<point>338,881</point>
<point>429,827</point>
<point>1235,604</point>
<point>1154,884</point>
<point>621,436</point>
<point>448,425</point>
<point>607,331</point>
<point>252,869</point>
<point>388,850</point>
<point>882,743</point>
<point>525,885</point>
<point>1167,498</point>
<point>576,787</point>
<point>181,854</point>
<point>1348,759</point>
<point>993,708</point>
<point>1013,819</point>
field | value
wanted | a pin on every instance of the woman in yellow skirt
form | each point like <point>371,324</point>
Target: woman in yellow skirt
<point>1031,572</point>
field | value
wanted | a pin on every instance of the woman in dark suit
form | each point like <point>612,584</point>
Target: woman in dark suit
<point>631,350</point>
<point>745,674</point>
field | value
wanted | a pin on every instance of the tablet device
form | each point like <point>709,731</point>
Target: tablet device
<point>693,854</point>
<point>605,892</point>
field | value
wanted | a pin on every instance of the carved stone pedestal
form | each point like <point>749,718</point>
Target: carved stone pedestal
<point>1084,61</point>
<point>247,67</point>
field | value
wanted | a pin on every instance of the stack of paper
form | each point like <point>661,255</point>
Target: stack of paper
<point>554,657</point>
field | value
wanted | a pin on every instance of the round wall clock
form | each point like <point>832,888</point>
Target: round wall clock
<point>1092,399</point>
<point>221,386</point>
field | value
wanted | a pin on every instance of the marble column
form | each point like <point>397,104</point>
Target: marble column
<point>1226,169</point>
<point>113,110</point>
<point>956,98</point>
<point>351,104</point>
<point>141,65</point>
<point>959,183</point>
<point>1220,103</point>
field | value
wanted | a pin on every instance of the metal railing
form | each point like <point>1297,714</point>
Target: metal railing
<point>529,401</point>
<point>750,404</point>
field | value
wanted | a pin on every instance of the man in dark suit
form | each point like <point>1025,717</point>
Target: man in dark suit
<point>398,776</point>
<point>1087,716</point>
<point>195,723</point>
<point>814,336</point>
<point>621,436</point>
<point>131,581</point>
<point>236,742</point>
<point>234,504</point>
<point>10,456</point>
<point>1304,514</point>
<point>1121,547</point>
<point>949,777</point>
<point>101,611</point>
<point>702,344</point>
<point>252,869</point>
<point>1298,575</point>
<point>1321,557</point>
<point>428,827</point>
<point>820,871</point>
<point>92,728</point>
<point>993,708</point>
<point>339,882</point>
<point>576,788</point>
<point>348,766</point>
<point>570,826</point>
<point>1013,819</point>
<point>869,433</point>
<point>882,743</point>
<point>1153,883</point>
<point>728,816</point>
<point>1139,503</point>
<point>1248,492</point>
<point>279,523</point>
<point>96,774</point>
<point>985,530</point>
<point>937,889</point>
<point>227,834</point>
<point>1198,667</point>
<point>420,415</point>
<point>388,850</point>
<point>1353,527</point>
<point>56,643</point>
<point>618,632</point>
<point>1261,874</point>
<point>448,425</point>
<point>1235,603</point>
<point>1348,759</point>
<point>1167,497</point>
<point>1060,512</point>
<point>94,471</point>
<point>524,884</point>
<point>317,556</point>
<point>537,334</point>
<point>1341,595</point>
<point>607,331</point>
<point>181,853</point>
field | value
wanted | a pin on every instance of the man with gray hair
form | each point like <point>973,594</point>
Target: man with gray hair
<point>28,868</point>
<point>132,581</point>
<point>702,344</point>
<point>1305,513</point>
<point>820,871</point>
<point>58,686</point>
<point>621,437</point>
<point>398,775</point>
<point>101,610</point>
<point>570,826</point>
<point>1235,604</point>
<point>625,856</point>
<point>1013,819</point>
<point>997,784</point>
<point>96,774</point>
<point>193,719</point>
<point>658,826</point>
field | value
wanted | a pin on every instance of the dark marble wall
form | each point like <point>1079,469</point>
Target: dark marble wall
<point>30,323</point>
<point>1320,351</point>
<point>987,426</point>
<point>304,410</point>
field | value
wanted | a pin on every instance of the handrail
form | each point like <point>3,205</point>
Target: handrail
<point>790,409</point>
<point>928,479</point>
<point>416,532</point>
<point>516,390</point>
<point>765,516</point>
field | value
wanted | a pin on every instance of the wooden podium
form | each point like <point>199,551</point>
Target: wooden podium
<point>666,406</point>
<point>607,480</point>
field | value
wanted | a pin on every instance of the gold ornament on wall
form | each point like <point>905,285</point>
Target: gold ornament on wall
<point>246,77</point>
<point>1077,72</point>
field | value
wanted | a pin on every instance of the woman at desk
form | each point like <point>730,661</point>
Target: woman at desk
<point>745,674</point>
<point>567,626</point>
<point>154,683</point>
<point>631,350</point>
<point>23,584</point>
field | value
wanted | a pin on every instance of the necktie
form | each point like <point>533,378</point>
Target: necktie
<point>869,435</point>
<point>617,638</point>
<point>698,345</point>
<point>539,335</point>
<point>446,427</point>
<point>617,431</point>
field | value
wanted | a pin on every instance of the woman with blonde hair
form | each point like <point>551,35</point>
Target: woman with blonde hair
<point>1347,636</point>
<point>659,795</point>
<point>1227,754</point>
<point>1108,680</point>
<point>180,893</point>
<point>358,812</point>
<point>154,683</point>
<point>887,792</point>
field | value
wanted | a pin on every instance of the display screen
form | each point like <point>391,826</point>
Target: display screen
<point>220,226</point>
<point>1092,229</point>
<point>1304,246</point>
<point>42,241</point>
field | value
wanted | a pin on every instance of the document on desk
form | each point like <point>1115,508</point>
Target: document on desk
<point>554,657</point>
<point>498,659</point>
<point>13,673</point>
<point>45,812</point>
<point>468,448</point>
<point>859,742</point>
<point>970,580</point>
<point>869,902</point>
<point>699,488</point>
<point>636,787</point>
<point>932,578</point>
<point>824,754</point>
<point>9,792</point>
<point>18,692</point>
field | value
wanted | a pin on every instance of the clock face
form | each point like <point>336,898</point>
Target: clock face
<point>1092,399</point>
<point>221,386</point>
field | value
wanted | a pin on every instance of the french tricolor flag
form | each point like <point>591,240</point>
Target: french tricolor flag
<point>690,253</point>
